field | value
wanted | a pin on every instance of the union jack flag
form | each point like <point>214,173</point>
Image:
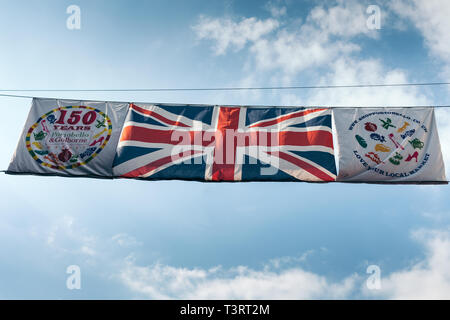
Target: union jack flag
<point>222,143</point>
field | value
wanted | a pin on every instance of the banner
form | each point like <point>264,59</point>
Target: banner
<point>388,145</point>
<point>229,143</point>
<point>220,143</point>
<point>69,138</point>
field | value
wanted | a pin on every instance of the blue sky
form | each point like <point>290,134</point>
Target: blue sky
<point>152,240</point>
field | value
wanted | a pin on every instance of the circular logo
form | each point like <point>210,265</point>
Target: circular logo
<point>68,137</point>
<point>390,143</point>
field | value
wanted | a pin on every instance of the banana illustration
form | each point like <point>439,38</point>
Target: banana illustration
<point>382,148</point>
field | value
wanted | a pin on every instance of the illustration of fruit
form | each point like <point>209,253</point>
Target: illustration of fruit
<point>369,126</point>
<point>382,148</point>
<point>65,155</point>
<point>361,141</point>
<point>38,145</point>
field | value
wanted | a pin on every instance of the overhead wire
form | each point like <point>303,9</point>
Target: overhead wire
<point>10,95</point>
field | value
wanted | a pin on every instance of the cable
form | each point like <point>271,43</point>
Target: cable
<point>233,88</point>
<point>16,96</point>
<point>197,105</point>
<point>444,182</point>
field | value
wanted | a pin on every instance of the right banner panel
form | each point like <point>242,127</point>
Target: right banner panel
<point>388,145</point>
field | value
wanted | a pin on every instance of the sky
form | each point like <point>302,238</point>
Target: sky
<point>191,240</point>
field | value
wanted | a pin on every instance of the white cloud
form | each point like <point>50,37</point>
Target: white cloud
<point>425,279</point>
<point>283,261</point>
<point>443,124</point>
<point>346,19</point>
<point>65,236</point>
<point>431,18</point>
<point>160,282</point>
<point>125,240</point>
<point>437,216</point>
<point>276,11</point>
<point>88,251</point>
<point>282,44</point>
<point>293,52</point>
<point>166,282</point>
<point>345,71</point>
<point>228,33</point>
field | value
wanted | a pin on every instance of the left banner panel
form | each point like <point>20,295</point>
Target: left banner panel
<point>69,138</point>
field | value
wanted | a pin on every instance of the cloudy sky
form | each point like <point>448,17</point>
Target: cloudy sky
<point>165,240</point>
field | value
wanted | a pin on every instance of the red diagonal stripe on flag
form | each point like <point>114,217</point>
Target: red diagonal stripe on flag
<point>304,165</point>
<point>286,117</point>
<point>157,163</point>
<point>157,116</point>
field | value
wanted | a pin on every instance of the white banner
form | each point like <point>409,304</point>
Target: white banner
<point>388,145</point>
<point>69,137</point>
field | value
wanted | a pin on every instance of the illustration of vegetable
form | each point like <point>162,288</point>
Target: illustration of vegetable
<point>101,123</point>
<point>396,159</point>
<point>74,159</point>
<point>361,141</point>
<point>416,143</point>
<point>387,123</point>
<point>39,136</point>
